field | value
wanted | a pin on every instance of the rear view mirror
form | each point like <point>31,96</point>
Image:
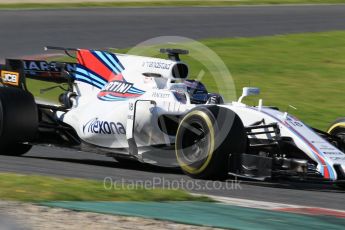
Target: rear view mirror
<point>248,91</point>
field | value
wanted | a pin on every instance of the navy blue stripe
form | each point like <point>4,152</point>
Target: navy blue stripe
<point>102,61</point>
<point>117,60</point>
<point>105,98</point>
<point>115,67</point>
<point>90,81</point>
<point>137,90</point>
<point>89,76</point>
<point>134,92</point>
<point>88,70</point>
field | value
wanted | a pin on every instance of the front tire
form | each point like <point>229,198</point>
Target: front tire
<point>340,185</point>
<point>205,139</point>
<point>337,129</point>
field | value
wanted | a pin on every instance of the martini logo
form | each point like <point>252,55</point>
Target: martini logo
<point>119,91</point>
<point>118,87</point>
<point>10,78</point>
<point>43,66</point>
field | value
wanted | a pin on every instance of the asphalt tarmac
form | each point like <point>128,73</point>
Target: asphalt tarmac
<point>26,32</point>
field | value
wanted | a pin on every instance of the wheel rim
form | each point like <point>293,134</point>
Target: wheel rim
<point>195,151</point>
<point>195,144</point>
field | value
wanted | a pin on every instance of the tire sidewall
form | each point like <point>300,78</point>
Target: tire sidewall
<point>18,120</point>
<point>228,137</point>
<point>1,121</point>
<point>337,124</point>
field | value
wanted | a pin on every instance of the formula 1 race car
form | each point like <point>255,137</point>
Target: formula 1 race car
<point>146,109</point>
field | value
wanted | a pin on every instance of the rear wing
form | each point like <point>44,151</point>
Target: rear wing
<point>15,72</point>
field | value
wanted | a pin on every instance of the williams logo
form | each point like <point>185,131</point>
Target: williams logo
<point>103,127</point>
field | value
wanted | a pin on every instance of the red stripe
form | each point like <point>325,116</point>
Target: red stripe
<point>87,59</point>
<point>327,176</point>
<point>314,211</point>
<point>326,172</point>
<point>104,93</point>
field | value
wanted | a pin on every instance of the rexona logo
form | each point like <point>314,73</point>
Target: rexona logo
<point>10,78</point>
<point>118,87</point>
<point>103,127</point>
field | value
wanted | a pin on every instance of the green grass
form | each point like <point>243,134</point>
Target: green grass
<point>32,188</point>
<point>303,70</point>
<point>163,3</point>
<point>35,86</point>
<point>306,71</point>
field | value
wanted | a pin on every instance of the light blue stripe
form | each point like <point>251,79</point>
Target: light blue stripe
<point>119,70</point>
<point>114,62</point>
<point>105,99</point>
<point>136,90</point>
<point>133,90</point>
<point>87,73</point>
<point>90,75</point>
<point>111,96</point>
<point>104,58</point>
<point>113,59</point>
<point>80,77</point>
<point>114,97</point>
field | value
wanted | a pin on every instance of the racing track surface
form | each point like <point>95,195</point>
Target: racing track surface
<point>26,32</point>
<point>68,163</point>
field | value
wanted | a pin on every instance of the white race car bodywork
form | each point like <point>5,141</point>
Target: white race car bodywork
<point>111,123</point>
<point>306,139</point>
<point>109,129</point>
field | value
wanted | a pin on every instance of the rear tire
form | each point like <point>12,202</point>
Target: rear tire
<point>18,121</point>
<point>15,150</point>
<point>205,139</point>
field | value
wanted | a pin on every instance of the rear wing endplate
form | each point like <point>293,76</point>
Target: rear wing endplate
<point>15,72</point>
